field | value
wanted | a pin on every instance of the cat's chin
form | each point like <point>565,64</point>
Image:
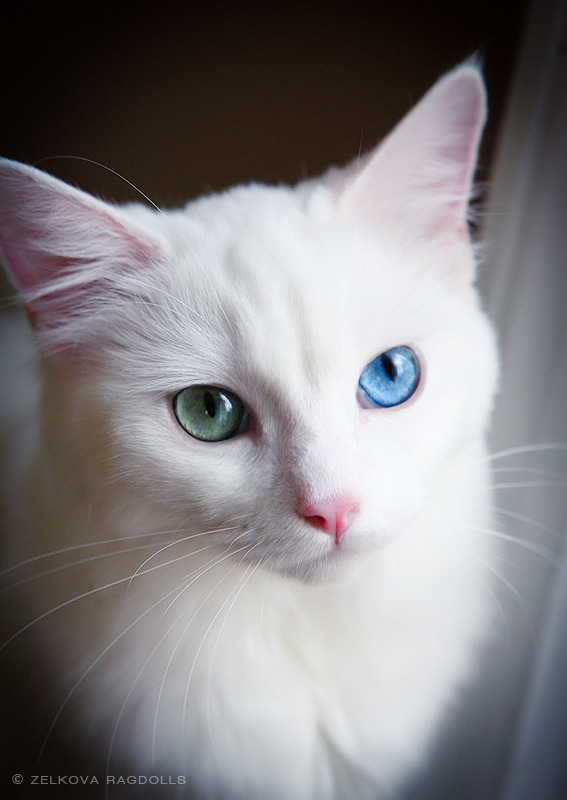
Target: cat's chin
<point>334,565</point>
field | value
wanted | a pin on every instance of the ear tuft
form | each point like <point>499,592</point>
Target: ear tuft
<point>62,248</point>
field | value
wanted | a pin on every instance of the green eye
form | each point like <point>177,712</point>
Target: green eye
<point>209,413</point>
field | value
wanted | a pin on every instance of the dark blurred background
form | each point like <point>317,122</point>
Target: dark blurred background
<point>182,98</point>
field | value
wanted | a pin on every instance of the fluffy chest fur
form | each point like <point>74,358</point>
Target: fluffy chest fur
<point>284,606</point>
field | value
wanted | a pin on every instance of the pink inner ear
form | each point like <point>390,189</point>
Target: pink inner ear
<point>423,171</point>
<point>62,247</point>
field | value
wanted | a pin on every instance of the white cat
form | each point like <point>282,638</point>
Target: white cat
<point>246,489</point>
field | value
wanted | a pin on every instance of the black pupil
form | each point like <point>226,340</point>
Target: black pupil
<point>210,406</point>
<point>389,367</point>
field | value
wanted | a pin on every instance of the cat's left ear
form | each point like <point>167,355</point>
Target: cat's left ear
<point>423,171</point>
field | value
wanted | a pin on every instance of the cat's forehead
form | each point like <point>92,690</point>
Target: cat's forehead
<point>270,322</point>
<point>285,280</point>
<point>286,256</point>
<point>287,293</point>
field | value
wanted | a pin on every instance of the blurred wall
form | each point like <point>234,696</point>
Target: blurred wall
<point>181,98</point>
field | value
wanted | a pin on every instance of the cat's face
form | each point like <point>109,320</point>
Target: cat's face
<point>275,366</point>
<point>287,325</point>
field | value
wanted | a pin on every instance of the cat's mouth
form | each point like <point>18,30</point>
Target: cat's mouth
<point>337,565</point>
<point>309,555</point>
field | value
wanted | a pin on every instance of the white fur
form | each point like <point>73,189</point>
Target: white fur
<point>241,647</point>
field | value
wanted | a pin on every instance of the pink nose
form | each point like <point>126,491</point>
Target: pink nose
<point>333,516</point>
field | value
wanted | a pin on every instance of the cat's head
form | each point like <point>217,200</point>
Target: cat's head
<point>294,366</point>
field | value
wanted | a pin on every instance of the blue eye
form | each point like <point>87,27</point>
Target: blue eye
<point>391,378</point>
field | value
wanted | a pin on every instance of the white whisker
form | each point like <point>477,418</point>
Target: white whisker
<point>180,541</point>
<point>533,523</point>
<point>182,635</point>
<point>94,663</point>
<point>154,650</point>
<point>89,593</point>
<point>541,473</point>
<point>516,540</point>
<point>530,485</point>
<point>72,564</point>
<point>85,545</point>
<point>530,448</point>
<point>171,223</point>
<point>235,593</point>
<point>222,557</point>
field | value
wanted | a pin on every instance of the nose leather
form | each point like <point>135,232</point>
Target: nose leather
<point>334,516</point>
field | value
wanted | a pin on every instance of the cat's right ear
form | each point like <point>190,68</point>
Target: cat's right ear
<point>62,248</point>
